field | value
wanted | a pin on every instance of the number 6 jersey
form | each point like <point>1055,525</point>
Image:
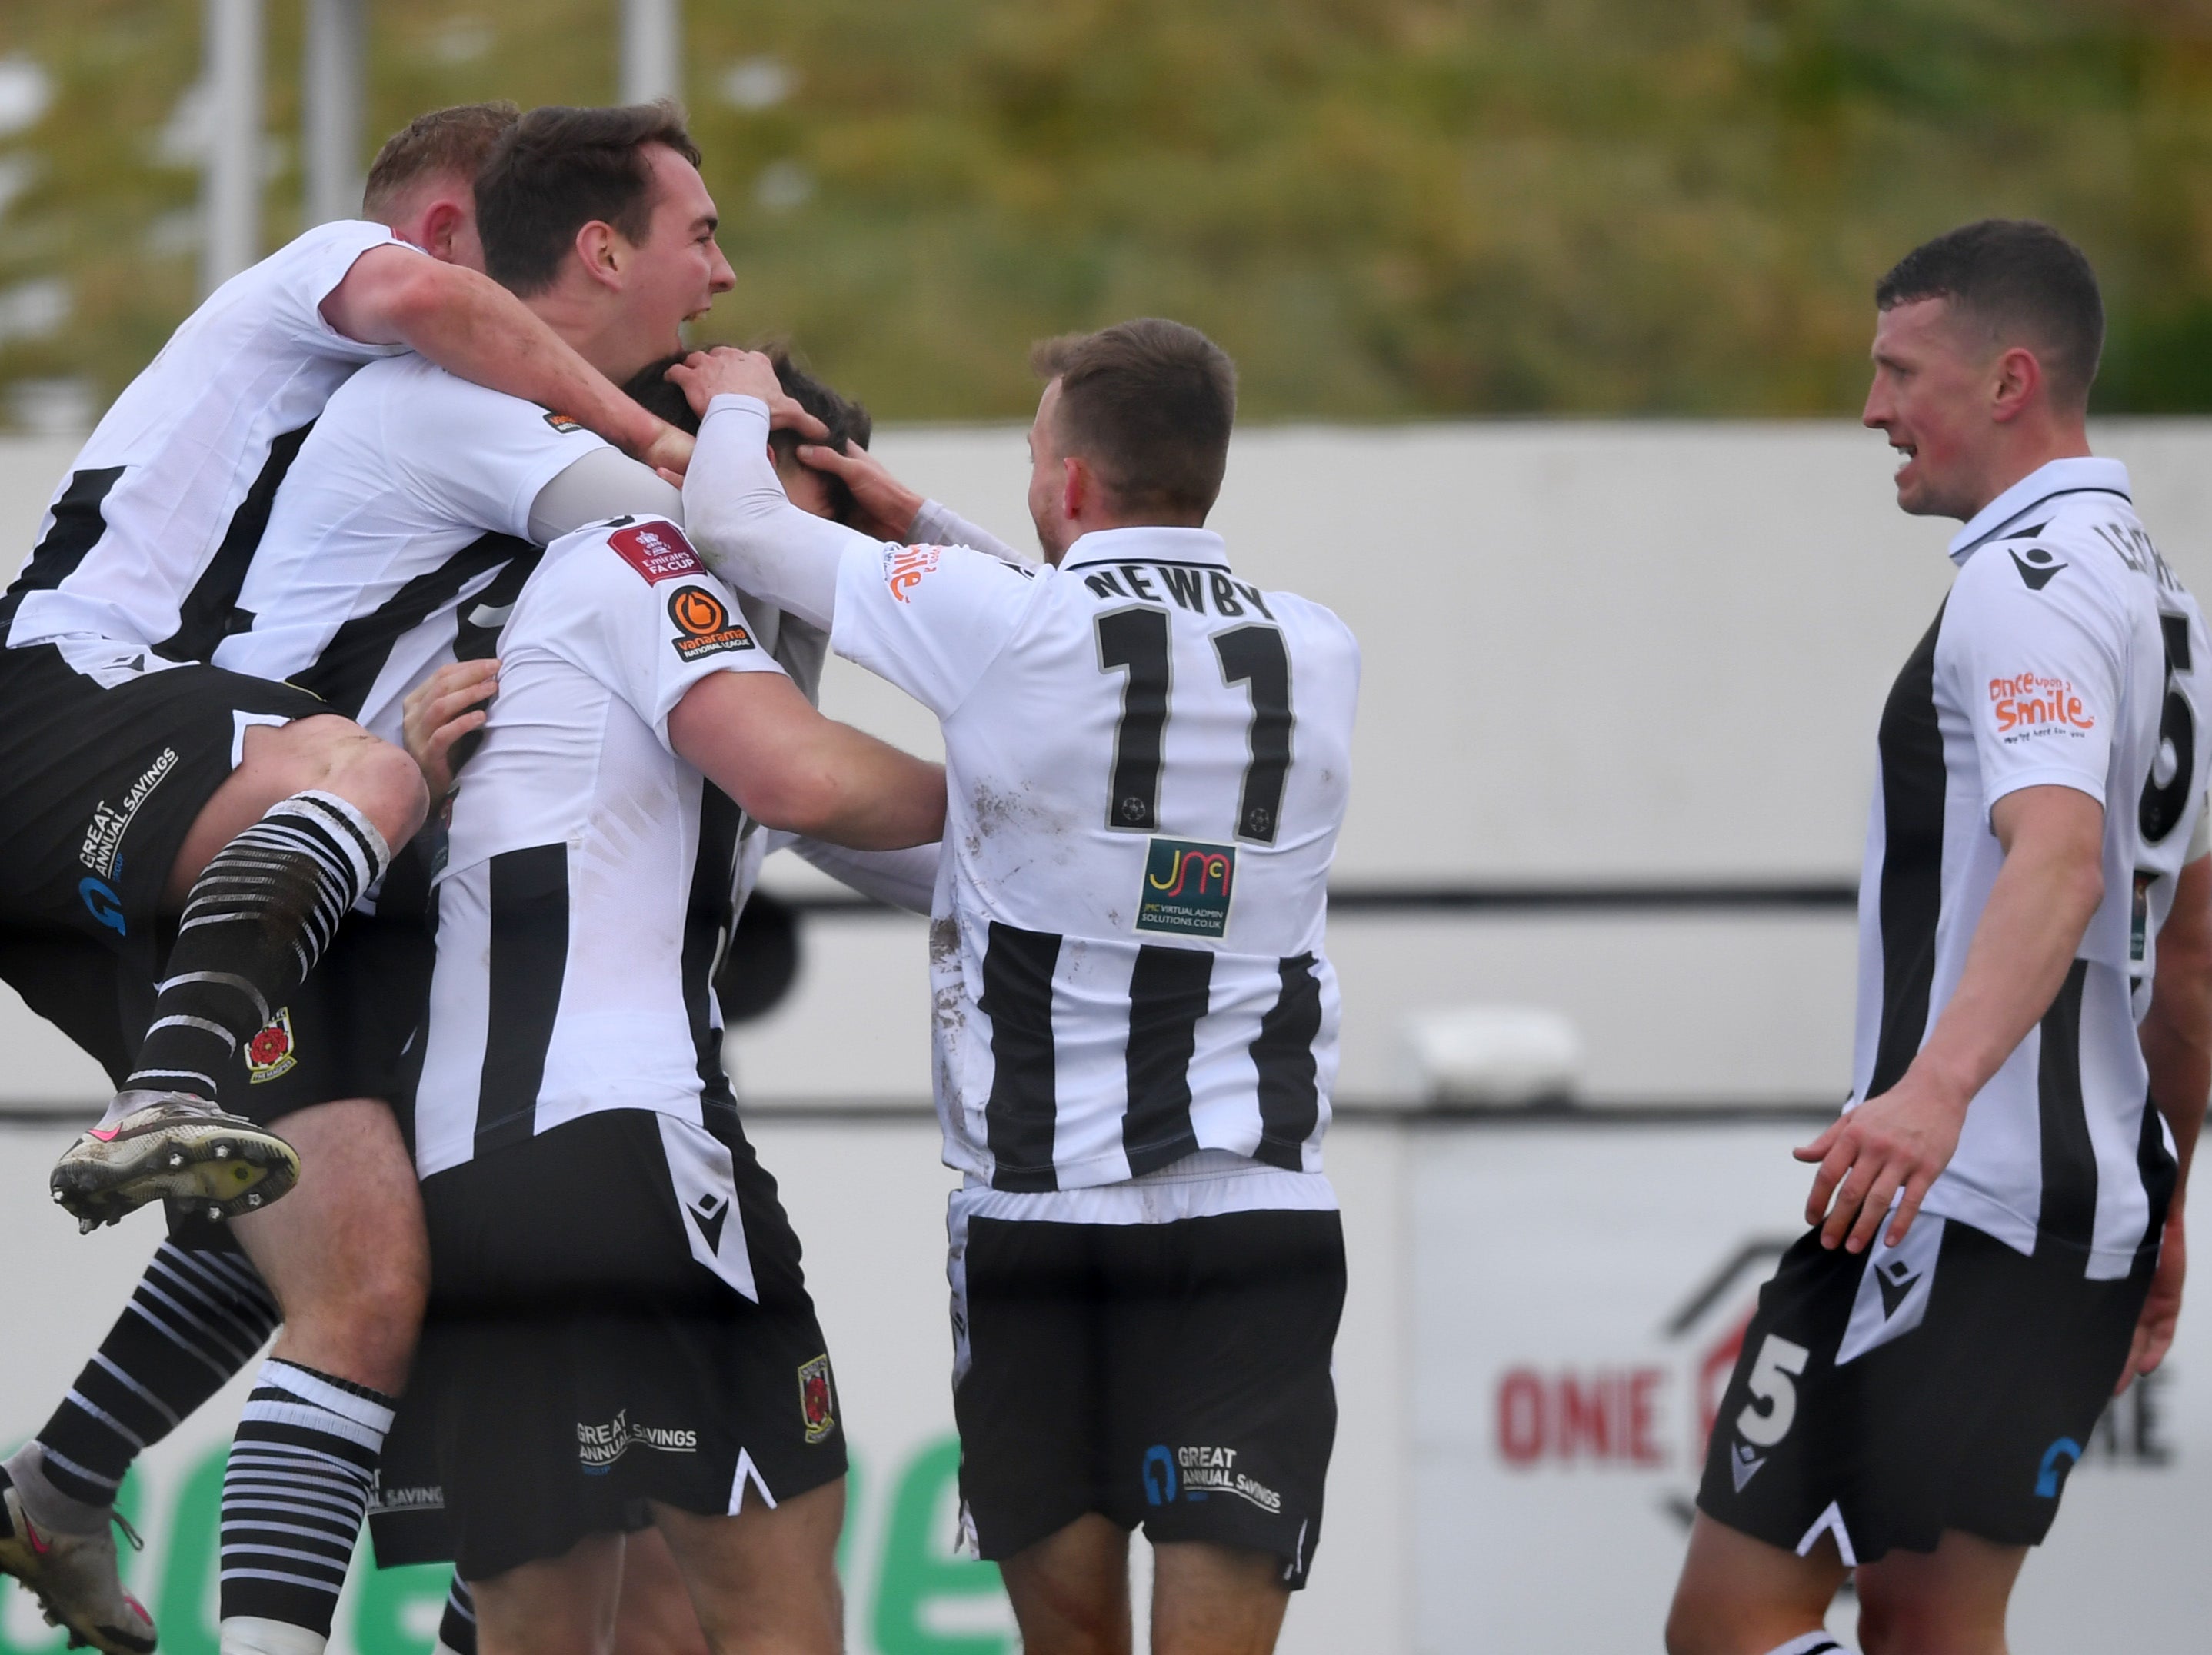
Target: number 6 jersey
<point>1146,760</point>
<point>2067,654</point>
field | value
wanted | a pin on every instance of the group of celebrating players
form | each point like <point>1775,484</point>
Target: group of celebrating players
<point>419,661</point>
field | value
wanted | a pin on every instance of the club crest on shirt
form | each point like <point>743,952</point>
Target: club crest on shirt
<point>904,569</point>
<point>815,1403</point>
<point>1186,888</point>
<point>703,625</point>
<point>656,548</point>
<point>564,423</point>
<point>272,1052</point>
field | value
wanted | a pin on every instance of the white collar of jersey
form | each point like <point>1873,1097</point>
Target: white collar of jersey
<point>1148,544</point>
<point>2082,475</point>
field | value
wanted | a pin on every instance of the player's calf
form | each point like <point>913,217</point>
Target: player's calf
<point>765,1580</point>
<point>1216,1600</point>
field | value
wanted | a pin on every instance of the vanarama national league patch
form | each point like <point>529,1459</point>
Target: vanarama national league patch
<point>1187,887</point>
<point>702,621</point>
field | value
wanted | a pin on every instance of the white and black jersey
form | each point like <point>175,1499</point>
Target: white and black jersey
<point>1148,762</point>
<point>399,539</point>
<point>2067,654</point>
<point>147,537</point>
<point>591,873</point>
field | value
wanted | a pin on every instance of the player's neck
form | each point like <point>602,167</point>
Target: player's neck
<point>2026,453</point>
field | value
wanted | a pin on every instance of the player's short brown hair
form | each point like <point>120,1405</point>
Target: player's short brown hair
<point>1150,404</point>
<point>652,388</point>
<point>2024,283</point>
<point>558,169</point>
<point>458,141</point>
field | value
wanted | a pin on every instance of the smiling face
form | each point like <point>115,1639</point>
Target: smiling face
<point>1934,396</point>
<point>674,273</point>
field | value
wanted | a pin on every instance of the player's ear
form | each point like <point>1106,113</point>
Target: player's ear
<point>1076,487</point>
<point>596,246</point>
<point>2016,376</point>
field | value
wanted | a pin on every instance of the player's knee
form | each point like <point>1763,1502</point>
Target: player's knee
<point>384,784</point>
<point>332,755</point>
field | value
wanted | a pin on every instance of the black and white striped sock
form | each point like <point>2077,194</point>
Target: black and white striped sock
<point>293,1500</point>
<point>1813,1643</point>
<point>194,1319</point>
<point>256,920</point>
<point>457,1628</point>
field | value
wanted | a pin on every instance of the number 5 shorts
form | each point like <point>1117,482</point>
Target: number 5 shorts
<point>1950,1382</point>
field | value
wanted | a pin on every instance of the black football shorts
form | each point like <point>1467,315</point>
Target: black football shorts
<point>617,1315</point>
<point>1172,1375</point>
<point>106,775</point>
<point>1881,1398</point>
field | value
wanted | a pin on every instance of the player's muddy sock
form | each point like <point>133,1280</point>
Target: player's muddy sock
<point>256,921</point>
<point>1813,1643</point>
<point>293,1500</point>
<point>457,1628</point>
<point>195,1320</point>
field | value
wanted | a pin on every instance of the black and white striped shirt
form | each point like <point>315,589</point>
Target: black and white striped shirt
<point>1146,768</point>
<point>2067,654</point>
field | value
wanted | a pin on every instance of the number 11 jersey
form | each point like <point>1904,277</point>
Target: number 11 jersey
<point>1147,764</point>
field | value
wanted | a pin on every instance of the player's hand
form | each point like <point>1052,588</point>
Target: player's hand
<point>725,371</point>
<point>1901,1140</point>
<point>669,453</point>
<point>441,710</point>
<point>2161,1311</point>
<point>887,505</point>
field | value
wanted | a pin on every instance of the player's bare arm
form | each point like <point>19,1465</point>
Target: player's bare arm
<point>889,507</point>
<point>470,325</point>
<point>757,739</point>
<point>2043,898</point>
<point>2177,1044</point>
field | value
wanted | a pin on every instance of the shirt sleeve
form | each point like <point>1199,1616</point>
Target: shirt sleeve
<point>477,456</point>
<point>939,524</point>
<point>931,619</point>
<point>649,619</point>
<point>2037,662</point>
<point>310,271</point>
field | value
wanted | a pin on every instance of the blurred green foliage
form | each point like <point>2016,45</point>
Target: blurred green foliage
<point>1383,208</point>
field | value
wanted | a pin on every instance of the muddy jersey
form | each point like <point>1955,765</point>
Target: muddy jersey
<point>2067,654</point>
<point>1147,763</point>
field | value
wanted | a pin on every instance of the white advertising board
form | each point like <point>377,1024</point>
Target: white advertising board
<point>1577,1294</point>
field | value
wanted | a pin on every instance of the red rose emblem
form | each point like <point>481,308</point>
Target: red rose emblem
<point>266,1047</point>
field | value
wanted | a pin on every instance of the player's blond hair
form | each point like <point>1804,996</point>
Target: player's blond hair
<point>456,141</point>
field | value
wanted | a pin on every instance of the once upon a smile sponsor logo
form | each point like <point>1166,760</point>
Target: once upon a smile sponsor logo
<point>2037,703</point>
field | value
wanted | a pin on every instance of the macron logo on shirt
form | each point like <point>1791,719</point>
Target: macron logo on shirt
<point>656,550</point>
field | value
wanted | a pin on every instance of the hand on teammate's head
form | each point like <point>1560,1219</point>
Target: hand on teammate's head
<point>882,505</point>
<point>726,371</point>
